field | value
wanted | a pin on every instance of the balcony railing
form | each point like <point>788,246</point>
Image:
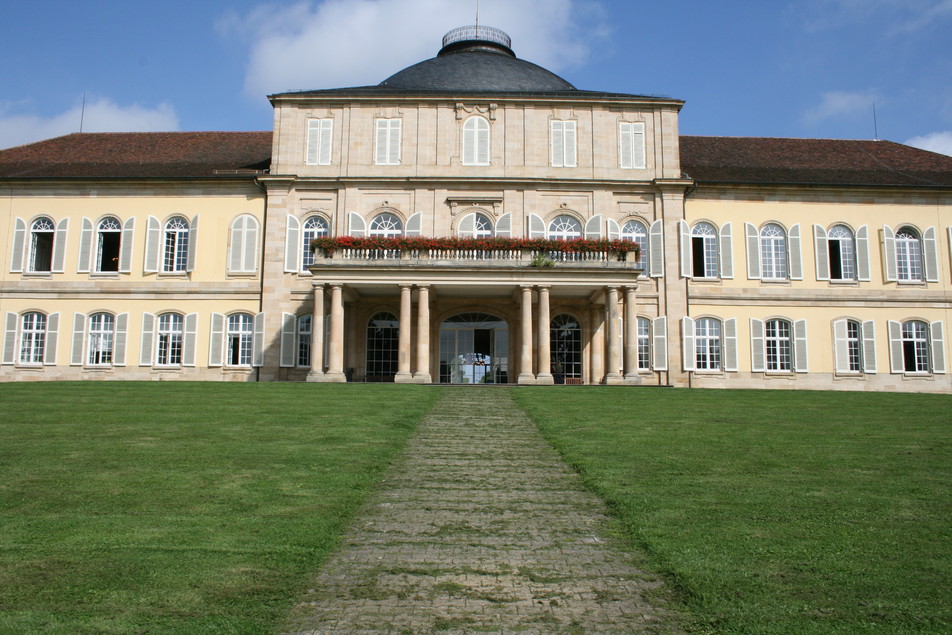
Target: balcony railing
<point>475,257</point>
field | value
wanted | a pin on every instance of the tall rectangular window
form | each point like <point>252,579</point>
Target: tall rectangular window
<point>319,140</point>
<point>564,144</point>
<point>631,145</point>
<point>779,346</point>
<point>388,142</point>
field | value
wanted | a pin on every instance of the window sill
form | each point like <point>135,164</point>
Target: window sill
<point>38,275</point>
<point>785,282</point>
<point>709,373</point>
<point>104,274</point>
<point>173,274</point>
<point>851,375</point>
<point>707,281</point>
<point>29,366</point>
<point>844,283</point>
<point>780,374</point>
<point>912,283</point>
<point>923,376</point>
<point>242,274</point>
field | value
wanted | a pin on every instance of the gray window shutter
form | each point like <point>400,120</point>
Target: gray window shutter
<point>758,356</point>
<point>250,262</point>
<point>380,156</point>
<point>356,226</point>
<point>614,230</point>
<point>656,249</point>
<point>571,146</point>
<point>638,145</point>
<point>393,155</point>
<point>684,240</point>
<point>10,338</point>
<point>889,254</point>
<point>841,351</point>
<point>414,225</point>
<point>896,362</point>
<point>119,344</point>
<point>292,245</point>
<point>79,339</point>
<point>85,246</point>
<point>822,256</point>
<point>796,258</point>
<point>504,225</point>
<point>937,339</point>
<point>467,226</point>
<point>52,335</point>
<point>800,349</point>
<point>288,339</point>
<point>327,139</point>
<point>59,246</point>
<point>482,143</point>
<point>624,145</point>
<point>536,226</point>
<point>192,244</point>
<point>727,251</point>
<point>19,244</point>
<point>730,345</point>
<point>153,239</point>
<point>869,347</point>
<point>313,141</point>
<point>189,341</point>
<point>593,228</point>
<point>215,340</point>
<point>930,255</point>
<point>235,244</point>
<point>659,350</point>
<point>125,249</point>
<point>753,252</point>
<point>862,253</point>
<point>687,344</point>
<point>148,337</point>
<point>558,144</point>
<point>257,348</point>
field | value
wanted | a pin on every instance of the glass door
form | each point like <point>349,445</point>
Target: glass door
<point>474,349</point>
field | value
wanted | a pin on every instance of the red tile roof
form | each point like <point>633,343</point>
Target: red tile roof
<point>812,162</point>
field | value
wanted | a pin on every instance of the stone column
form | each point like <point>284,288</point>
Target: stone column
<point>403,375</point>
<point>544,376</point>
<point>613,376</point>
<point>597,372</point>
<point>335,361</point>
<point>525,332</point>
<point>422,374</point>
<point>317,335</point>
<point>631,336</point>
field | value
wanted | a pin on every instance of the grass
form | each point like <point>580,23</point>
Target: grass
<point>774,512</point>
<point>181,507</point>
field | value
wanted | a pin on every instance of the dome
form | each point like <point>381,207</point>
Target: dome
<point>477,59</point>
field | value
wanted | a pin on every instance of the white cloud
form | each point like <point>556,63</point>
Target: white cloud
<point>902,16</point>
<point>101,115</point>
<point>339,43</point>
<point>839,104</point>
<point>940,142</point>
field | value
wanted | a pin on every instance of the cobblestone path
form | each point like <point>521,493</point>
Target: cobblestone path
<point>480,526</point>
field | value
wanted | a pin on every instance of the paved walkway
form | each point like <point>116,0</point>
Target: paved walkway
<point>480,527</point>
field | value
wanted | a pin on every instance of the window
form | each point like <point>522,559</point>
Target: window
<point>169,340</point>
<point>41,246</point>
<point>319,139</point>
<point>475,225</point>
<point>773,252</point>
<point>565,342</point>
<point>303,347</point>
<point>637,232</point>
<point>314,227</point>
<point>644,344</point>
<point>386,225</point>
<point>102,328</point>
<point>842,253</point>
<point>563,144</point>
<point>388,142</point>
<point>243,248</point>
<point>704,250</point>
<point>707,343</point>
<point>565,227</point>
<point>631,150</point>
<point>915,346</point>
<point>476,141</point>
<point>383,334</point>
<point>176,245</point>
<point>108,240</point>
<point>778,345</point>
<point>32,338</point>
<point>239,339</point>
<point>908,255</point>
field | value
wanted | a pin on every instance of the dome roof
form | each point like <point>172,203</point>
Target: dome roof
<point>477,59</point>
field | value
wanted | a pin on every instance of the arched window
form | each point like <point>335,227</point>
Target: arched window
<point>383,334</point>
<point>778,345</point>
<point>239,339</point>
<point>773,252</point>
<point>637,232</point>
<point>842,251</point>
<point>565,342</point>
<point>565,227</point>
<point>243,246</point>
<point>909,254</point>
<point>41,245</point>
<point>102,328</point>
<point>32,338</point>
<point>314,227</point>
<point>386,225</point>
<point>168,350</point>
<point>304,340</point>
<point>108,240</point>
<point>475,225</point>
<point>476,141</point>
<point>175,257</point>
<point>644,344</point>
<point>707,344</point>
<point>704,250</point>
<point>915,346</point>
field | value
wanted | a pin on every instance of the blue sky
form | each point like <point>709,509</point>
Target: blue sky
<point>784,68</point>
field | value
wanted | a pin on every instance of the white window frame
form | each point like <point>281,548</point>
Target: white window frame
<point>175,245</point>
<point>169,340</point>
<point>632,154</point>
<point>313,227</point>
<point>243,245</point>
<point>563,140</point>
<point>48,228</point>
<point>319,141</point>
<point>476,142</point>
<point>239,340</point>
<point>32,341</point>
<point>101,339</point>
<point>386,225</point>
<point>644,344</point>
<point>387,142</point>
<point>709,356</point>
<point>636,231</point>
<point>776,266</point>
<point>564,227</point>
<point>909,255</point>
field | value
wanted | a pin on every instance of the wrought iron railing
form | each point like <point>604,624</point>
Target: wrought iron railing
<point>477,32</point>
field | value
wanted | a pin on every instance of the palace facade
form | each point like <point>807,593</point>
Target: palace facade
<point>708,261</point>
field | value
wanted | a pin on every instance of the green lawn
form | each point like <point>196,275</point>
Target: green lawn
<point>181,507</point>
<point>781,512</point>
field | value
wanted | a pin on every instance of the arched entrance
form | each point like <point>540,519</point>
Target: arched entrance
<point>474,349</point>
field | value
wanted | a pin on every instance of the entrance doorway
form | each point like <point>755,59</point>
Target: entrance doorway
<point>474,349</point>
